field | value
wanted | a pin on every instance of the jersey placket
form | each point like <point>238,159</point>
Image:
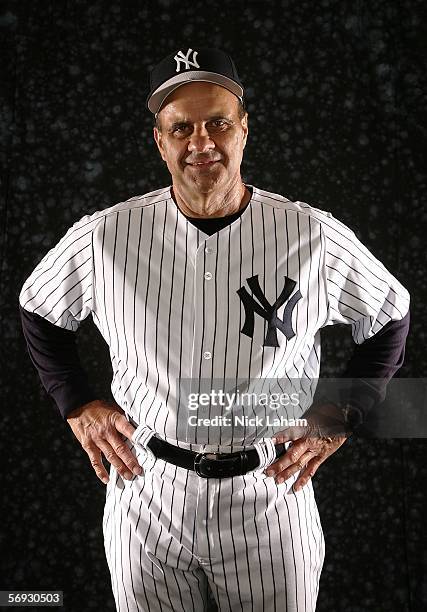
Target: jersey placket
<point>205,297</point>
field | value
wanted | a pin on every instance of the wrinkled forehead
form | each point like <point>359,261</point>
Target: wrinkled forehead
<point>197,99</point>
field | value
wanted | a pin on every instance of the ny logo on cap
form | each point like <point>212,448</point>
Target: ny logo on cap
<point>180,57</point>
<point>269,311</point>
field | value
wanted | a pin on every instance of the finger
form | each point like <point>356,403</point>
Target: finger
<point>281,436</point>
<point>115,460</point>
<point>288,434</point>
<point>121,423</point>
<point>297,466</point>
<point>95,459</point>
<point>123,452</point>
<point>306,474</point>
<point>292,455</point>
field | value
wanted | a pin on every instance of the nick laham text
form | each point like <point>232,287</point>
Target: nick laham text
<point>253,421</point>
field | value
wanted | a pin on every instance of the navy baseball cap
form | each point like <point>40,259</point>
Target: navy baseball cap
<point>184,66</point>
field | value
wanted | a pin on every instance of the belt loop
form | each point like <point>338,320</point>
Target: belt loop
<point>266,451</point>
<point>141,437</point>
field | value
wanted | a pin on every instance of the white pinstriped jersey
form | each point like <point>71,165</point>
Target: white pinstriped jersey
<point>163,294</point>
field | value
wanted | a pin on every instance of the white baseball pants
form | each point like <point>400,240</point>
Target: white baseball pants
<point>170,535</point>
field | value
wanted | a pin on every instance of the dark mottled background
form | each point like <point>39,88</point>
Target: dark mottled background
<point>337,119</point>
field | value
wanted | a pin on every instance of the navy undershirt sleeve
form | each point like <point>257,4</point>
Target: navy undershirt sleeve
<point>53,351</point>
<point>373,364</point>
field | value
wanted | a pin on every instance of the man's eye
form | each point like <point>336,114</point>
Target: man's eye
<point>181,129</point>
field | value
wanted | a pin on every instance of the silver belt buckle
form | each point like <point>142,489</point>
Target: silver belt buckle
<point>200,460</point>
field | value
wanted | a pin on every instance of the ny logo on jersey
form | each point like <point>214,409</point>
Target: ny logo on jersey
<point>180,57</point>
<point>269,311</point>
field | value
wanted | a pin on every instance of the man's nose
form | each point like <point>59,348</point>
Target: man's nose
<point>200,141</point>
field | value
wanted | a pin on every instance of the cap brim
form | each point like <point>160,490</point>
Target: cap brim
<point>157,98</point>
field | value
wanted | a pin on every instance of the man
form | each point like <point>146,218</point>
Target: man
<point>209,279</point>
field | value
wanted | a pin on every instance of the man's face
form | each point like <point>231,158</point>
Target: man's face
<point>202,137</point>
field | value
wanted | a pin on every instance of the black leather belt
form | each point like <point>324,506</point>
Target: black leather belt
<point>209,465</point>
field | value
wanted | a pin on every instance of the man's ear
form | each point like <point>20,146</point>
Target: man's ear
<point>245,129</point>
<point>158,138</point>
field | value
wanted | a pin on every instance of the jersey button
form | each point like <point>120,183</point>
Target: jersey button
<point>209,250</point>
<point>207,355</point>
<point>208,275</point>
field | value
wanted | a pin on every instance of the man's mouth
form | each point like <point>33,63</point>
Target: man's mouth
<point>203,163</point>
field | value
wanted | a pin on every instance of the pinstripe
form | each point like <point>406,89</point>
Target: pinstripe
<point>130,565</point>
<point>126,334</point>
<point>117,549</point>
<point>203,329</point>
<point>309,522</point>
<point>222,549</point>
<point>145,548</point>
<point>358,259</point>
<point>245,539</point>
<point>231,531</point>
<point>71,304</point>
<point>349,268</point>
<point>138,267</point>
<point>227,325</point>
<point>45,301</point>
<point>350,280</point>
<point>134,284</point>
<point>295,581</point>
<point>181,325</point>
<point>300,533</point>
<point>366,253</point>
<point>165,513</point>
<point>207,529</point>
<point>282,554</point>
<point>113,293</point>
<point>155,307</point>
<point>321,545</point>
<point>157,318</point>
<point>318,543</point>
<point>356,298</point>
<point>252,243</point>
<point>129,561</point>
<point>274,372</point>
<point>216,301</point>
<point>273,589</point>
<point>56,256</point>
<point>169,326</point>
<point>325,217</point>
<point>261,571</point>
<point>146,299</point>
<point>263,265</point>
<point>120,530</point>
<point>237,368</point>
<point>103,288</point>
<point>63,279</point>
<point>303,287</point>
<point>169,528</point>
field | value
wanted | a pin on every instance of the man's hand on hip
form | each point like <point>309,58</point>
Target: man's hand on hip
<point>98,426</point>
<point>306,453</point>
